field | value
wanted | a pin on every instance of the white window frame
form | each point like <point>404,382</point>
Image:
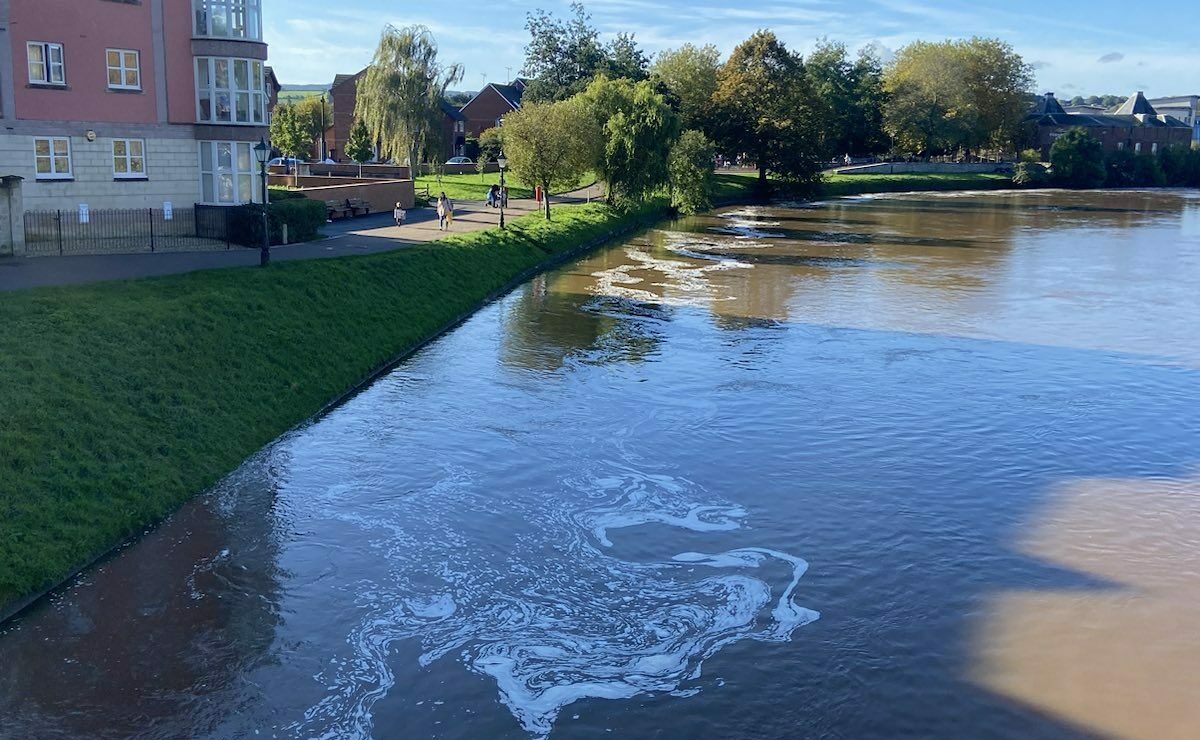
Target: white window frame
<point>128,159</point>
<point>123,68</point>
<point>242,172</point>
<point>52,159</point>
<point>254,94</point>
<point>220,19</point>
<point>49,66</point>
<point>1137,147</point>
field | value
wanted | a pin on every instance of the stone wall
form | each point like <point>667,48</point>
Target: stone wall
<point>172,169</point>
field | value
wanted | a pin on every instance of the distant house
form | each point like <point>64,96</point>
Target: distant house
<point>1135,126</point>
<point>491,104</point>
<point>344,95</point>
<point>1184,107</point>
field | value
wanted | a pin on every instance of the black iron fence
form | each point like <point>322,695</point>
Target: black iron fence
<point>118,231</point>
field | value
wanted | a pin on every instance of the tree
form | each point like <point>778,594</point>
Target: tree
<point>359,147</point>
<point>956,95</point>
<point>690,73</point>
<point>563,56</point>
<point>400,96</point>
<point>550,144</point>
<point>763,107</point>
<point>1077,160</point>
<point>690,170</point>
<point>289,133</point>
<point>637,129</point>
<point>316,116</point>
<point>491,144</point>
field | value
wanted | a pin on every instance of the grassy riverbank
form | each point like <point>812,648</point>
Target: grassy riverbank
<point>735,184</point>
<point>122,400</point>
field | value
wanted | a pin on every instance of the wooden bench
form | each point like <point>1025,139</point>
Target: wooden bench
<point>336,208</point>
<point>357,206</point>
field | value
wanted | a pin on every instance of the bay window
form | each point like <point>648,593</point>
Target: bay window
<point>234,19</point>
<point>230,91</point>
<point>228,173</point>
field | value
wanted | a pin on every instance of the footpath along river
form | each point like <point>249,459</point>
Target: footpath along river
<point>897,466</point>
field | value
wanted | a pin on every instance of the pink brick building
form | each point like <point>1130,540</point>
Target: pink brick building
<point>132,103</point>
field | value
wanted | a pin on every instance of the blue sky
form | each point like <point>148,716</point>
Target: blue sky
<point>1077,47</point>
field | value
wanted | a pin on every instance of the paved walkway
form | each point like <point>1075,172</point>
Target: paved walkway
<point>364,235</point>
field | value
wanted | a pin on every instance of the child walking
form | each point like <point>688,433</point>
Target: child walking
<point>399,214</point>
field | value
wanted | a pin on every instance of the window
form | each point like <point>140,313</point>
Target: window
<point>228,172</point>
<point>1120,145</point>
<point>236,19</point>
<point>1137,148</point>
<point>45,63</point>
<point>460,126</point>
<point>124,70</point>
<point>129,159</point>
<point>52,157</point>
<point>1154,148</point>
<point>230,91</point>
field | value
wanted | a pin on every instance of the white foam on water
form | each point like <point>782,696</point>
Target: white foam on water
<point>682,283</point>
<point>556,616</point>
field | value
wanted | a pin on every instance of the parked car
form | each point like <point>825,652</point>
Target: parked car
<point>288,162</point>
<point>459,160</point>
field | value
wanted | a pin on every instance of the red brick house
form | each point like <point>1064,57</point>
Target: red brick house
<point>1135,126</point>
<point>344,97</point>
<point>491,104</point>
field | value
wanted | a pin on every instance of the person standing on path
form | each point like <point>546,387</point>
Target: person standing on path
<point>399,214</point>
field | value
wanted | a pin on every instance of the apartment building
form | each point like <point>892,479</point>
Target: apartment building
<point>132,103</point>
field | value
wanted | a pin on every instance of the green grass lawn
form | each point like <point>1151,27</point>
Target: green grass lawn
<point>473,186</point>
<point>122,400</point>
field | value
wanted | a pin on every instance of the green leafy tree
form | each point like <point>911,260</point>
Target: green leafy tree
<point>563,56</point>
<point>690,74</point>
<point>316,116</point>
<point>1077,160</point>
<point>637,129</point>
<point>690,172</point>
<point>848,93</point>
<point>550,144</point>
<point>1126,169</point>
<point>491,143</point>
<point>359,147</point>
<point>289,133</point>
<point>956,95</point>
<point>764,107</point>
<point>400,96</point>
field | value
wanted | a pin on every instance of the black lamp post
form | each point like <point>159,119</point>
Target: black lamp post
<point>262,152</point>
<point>503,162</point>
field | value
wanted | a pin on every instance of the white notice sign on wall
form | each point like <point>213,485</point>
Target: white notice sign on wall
<point>83,213</point>
<point>168,210</point>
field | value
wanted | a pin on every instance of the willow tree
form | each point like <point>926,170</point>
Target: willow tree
<point>400,96</point>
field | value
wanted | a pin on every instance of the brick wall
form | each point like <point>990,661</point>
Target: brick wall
<point>382,195</point>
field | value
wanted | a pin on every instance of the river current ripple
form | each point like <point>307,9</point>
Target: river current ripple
<point>562,616</point>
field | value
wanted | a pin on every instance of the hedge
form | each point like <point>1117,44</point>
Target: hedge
<point>304,219</point>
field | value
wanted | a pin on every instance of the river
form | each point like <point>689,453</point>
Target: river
<point>896,466</point>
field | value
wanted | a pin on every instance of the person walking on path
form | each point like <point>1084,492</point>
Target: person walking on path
<point>399,214</point>
<point>443,211</point>
<point>493,196</point>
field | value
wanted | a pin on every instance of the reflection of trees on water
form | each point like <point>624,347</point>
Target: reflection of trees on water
<point>158,639</point>
<point>555,319</point>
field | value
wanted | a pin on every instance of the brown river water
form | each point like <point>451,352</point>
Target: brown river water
<point>896,466</point>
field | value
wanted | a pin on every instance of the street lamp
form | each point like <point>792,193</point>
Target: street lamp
<point>262,152</point>
<point>503,162</point>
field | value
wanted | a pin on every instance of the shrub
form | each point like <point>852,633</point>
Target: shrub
<point>1031,174</point>
<point>278,194</point>
<point>304,219</point>
<point>1124,169</point>
<point>1180,165</point>
<point>1030,155</point>
<point>690,172</point>
<point>1077,160</point>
